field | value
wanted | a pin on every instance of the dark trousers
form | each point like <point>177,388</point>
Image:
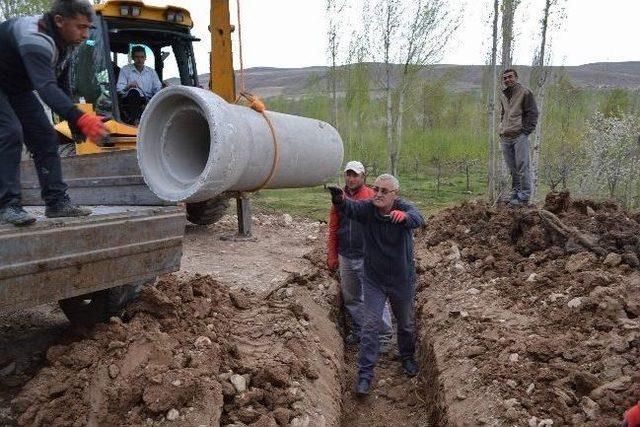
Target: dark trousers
<point>24,121</point>
<point>516,156</point>
<point>375,296</point>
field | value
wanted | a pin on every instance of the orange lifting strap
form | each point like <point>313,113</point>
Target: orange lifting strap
<point>256,104</point>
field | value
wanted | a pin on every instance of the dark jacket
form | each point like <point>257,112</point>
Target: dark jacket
<point>345,235</point>
<point>33,58</point>
<point>519,111</point>
<point>388,247</point>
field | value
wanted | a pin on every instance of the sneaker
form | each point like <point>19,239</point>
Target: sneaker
<point>352,339</point>
<point>410,367</point>
<point>16,215</point>
<point>65,209</point>
<point>363,387</point>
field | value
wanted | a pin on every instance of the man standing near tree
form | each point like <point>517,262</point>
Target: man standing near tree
<point>518,120</point>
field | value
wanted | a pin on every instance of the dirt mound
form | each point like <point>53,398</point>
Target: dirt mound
<point>533,319</point>
<point>191,351</point>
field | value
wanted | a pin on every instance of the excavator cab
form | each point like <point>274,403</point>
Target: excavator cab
<point>164,32</point>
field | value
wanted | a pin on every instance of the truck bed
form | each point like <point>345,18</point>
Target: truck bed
<point>61,258</point>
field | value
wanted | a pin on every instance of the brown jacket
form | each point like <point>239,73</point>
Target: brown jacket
<point>519,111</point>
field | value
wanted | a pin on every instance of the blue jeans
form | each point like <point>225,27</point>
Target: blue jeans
<point>351,282</point>
<point>516,156</point>
<point>23,120</point>
<point>375,297</point>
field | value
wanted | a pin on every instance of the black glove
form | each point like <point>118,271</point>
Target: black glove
<point>337,195</point>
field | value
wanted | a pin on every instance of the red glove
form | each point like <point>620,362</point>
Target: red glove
<point>397,216</point>
<point>632,417</point>
<point>333,263</point>
<point>92,127</point>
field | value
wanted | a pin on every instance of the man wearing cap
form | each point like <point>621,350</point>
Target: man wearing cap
<point>389,274</point>
<point>345,251</point>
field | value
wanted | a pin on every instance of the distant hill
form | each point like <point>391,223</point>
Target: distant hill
<point>268,82</point>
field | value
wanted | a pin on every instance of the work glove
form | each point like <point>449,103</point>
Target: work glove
<point>397,217</point>
<point>632,417</point>
<point>92,127</point>
<point>337,195</point>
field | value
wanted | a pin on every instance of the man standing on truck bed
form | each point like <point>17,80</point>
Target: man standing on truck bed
<point>34,56</point>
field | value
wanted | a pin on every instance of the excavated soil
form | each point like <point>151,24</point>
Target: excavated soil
<point>520,321</point>
<point>187,347</point>
<point>528,326</point>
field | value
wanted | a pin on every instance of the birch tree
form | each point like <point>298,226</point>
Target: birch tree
<point>539,79</point>
<point>334,9</point>
<point>412,34</point>
<point>493,154</point>
<point>508,9</point>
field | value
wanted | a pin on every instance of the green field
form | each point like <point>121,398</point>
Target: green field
<point>315,202</point>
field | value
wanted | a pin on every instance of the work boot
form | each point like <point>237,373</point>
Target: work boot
<point>16,215</point>
<point>410,367</point>
<point>65,209</point>
<point>352,339</point>
<point>363,387</point>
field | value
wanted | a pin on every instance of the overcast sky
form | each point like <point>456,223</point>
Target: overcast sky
<point>292,33</point>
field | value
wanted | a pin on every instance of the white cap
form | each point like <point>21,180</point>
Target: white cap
<point>355,166</point>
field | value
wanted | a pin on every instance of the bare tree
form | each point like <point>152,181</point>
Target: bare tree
<point>491,105</point>
<point>334,9</point>
<point>539,77</point>
<point>508,12</point>
<point>412,34</point>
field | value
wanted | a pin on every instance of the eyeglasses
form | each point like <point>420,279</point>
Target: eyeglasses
<point>382,190</point>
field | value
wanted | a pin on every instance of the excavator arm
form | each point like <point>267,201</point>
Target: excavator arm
<point>222,80</point>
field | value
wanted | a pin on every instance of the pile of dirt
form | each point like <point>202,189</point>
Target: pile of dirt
<point>532,314</point>
<point>195,352</point>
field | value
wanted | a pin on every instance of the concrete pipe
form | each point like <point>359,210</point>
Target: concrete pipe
<point>193,145</point>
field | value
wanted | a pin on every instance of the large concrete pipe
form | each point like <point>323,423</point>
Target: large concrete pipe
<point>193,145</point>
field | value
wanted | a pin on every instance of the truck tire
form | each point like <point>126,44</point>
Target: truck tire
<point>98,307</point>
<point>207,212</point>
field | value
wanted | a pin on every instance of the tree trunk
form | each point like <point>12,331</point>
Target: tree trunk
<point>542,78</point>
<point>508,12</point>
<point>389,122</point>
<point>491,110</point>
<point>398,142</point>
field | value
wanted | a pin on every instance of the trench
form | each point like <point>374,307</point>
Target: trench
<point>395,399</point>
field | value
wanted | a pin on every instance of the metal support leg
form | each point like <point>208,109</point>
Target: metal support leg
<point>243,205</point>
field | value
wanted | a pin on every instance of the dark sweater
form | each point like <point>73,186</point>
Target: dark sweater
<point>388,247</point>
<point>32,58</point>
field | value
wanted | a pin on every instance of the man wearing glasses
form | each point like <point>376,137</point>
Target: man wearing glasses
<point>387,224</point>
<point>518,119</point>
<point>345,252</point>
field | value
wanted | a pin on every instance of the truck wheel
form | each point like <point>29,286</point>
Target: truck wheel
<point>97,307</point>
<point>207,212</point>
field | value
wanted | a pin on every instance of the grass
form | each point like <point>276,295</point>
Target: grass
<point>314,202</point>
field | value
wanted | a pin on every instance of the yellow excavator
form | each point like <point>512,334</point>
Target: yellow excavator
<point>165,32</point>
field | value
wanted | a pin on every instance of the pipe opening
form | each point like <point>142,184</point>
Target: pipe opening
<point>186,145</point>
